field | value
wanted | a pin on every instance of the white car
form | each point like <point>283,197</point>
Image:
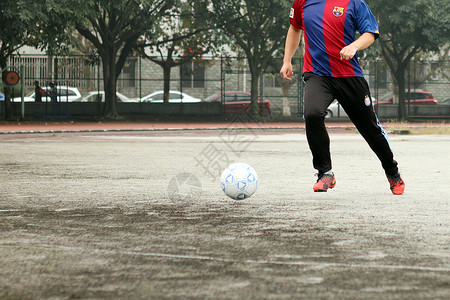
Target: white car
<point>96,96</point>
<point>335,110</point>
<point>65,93</point>
<point>174,97</point>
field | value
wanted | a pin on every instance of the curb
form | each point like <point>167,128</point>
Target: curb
<point>156,129</point>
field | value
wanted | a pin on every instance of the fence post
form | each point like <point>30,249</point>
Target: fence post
<point>55,70</point>
<point>67,99</point>
<point>222,75</point>
<point>261,85</point>
<point>22,87</point>
<point>140,77</point>
<point>409,92</point>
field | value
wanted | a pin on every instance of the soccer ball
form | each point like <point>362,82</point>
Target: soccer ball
<point>239,181</point>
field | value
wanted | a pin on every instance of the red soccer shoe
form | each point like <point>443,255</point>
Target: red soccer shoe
<point>396,183</point>
<point>324,183</point>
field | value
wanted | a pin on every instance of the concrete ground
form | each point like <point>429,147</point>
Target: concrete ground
<point>140,215</point>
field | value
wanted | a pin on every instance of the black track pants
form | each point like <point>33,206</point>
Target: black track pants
<point>354,96</point>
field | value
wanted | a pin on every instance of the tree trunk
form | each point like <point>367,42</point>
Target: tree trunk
<point>285,85</point>
<point>110,83</point>
<point>254,91</point>
<point>166,72</point>
<point>254,72</point>
<point>9,108</point>
<point>401,86</point>
<point>9,114</point>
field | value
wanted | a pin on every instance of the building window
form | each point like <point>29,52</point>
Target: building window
<point>192,75</point>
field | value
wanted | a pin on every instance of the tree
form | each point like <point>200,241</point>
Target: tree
<point>436,64</point>
<point>114,27</point>
<point>180,38</point>
<point>13,35</point>
<point>408,27</point>
<point>26,22</point>
<point>257,27</point>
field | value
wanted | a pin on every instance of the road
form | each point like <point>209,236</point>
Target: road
<point>140,215</point>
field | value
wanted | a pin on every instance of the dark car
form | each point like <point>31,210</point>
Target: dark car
<point>239,103</point>
<point>412,97</point>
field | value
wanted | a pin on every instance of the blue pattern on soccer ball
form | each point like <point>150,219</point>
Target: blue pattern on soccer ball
<point>241,185</point>
<point>241,196</point>
<point>250,177</point>
<point>229,179</point>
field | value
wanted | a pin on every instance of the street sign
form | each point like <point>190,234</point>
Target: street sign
<point>10,78</point>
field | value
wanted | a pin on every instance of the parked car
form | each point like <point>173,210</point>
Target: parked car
<point>65,93</point>
<point>2,96</point>
<point>336,110</point>
<point>96,96</point>
<point>238,103</point>
<point>174,97</point>
<point>445,102</point>
<point>412,97</point>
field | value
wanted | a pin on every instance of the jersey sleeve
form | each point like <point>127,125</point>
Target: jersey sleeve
<point>296,14</point>
<point>365,20</point>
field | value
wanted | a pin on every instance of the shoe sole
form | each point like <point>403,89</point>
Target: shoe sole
<point>398,192</point>
<point>323,190</point>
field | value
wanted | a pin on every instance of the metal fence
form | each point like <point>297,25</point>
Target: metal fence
<point>210,75</point>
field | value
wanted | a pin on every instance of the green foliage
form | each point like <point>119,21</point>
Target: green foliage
<point>113,27</point>
<point>256,27</point>
<point>408,27</point>
<point>16,28</point>
<point>182,32</point>
<point>27,22</point>
<point>412,24</point>
<point>179,38</point>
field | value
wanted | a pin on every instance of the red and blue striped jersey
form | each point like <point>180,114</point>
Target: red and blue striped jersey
<point>329,26</point>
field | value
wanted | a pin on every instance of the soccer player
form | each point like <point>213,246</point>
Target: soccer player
<point>331,71</point>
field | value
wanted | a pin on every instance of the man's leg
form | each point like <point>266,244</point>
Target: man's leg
<point>316,101</point>
<point>354,96</point>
